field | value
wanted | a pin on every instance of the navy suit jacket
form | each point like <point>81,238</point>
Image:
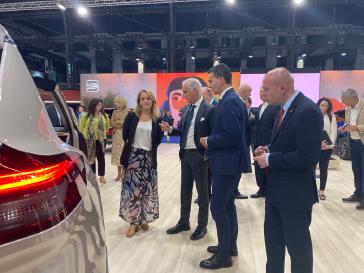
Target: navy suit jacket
<point>264,125</point>
<point>226,142</point>
<point>294,152</point>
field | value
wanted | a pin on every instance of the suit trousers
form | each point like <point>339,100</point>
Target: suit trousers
<point>357,164</point>
<point>260,178</point>
<point>288,229</point>
<point>194,168</point>
<point>223,211</point>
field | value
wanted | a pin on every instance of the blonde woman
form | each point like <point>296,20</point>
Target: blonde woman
<point>93,126</point>
<point>117,123</point>
<point>142,135</point>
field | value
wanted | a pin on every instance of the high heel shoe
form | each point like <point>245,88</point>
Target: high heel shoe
<point>145,227</point>
<point>131,231</point>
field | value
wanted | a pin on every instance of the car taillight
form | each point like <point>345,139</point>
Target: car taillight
<point>37,192</point>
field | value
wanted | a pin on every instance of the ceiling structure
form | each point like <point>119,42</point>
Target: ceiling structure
<point>180,35</point>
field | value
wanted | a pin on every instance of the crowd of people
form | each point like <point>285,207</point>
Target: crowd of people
<point>217,138</point>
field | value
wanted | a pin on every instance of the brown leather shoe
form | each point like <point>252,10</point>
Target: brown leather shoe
<point>131,231</point>
<point>145,227</point>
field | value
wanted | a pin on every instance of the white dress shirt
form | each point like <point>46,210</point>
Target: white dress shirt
<point>190,143</point>
<point>354,111</point>
<point>262,109</point>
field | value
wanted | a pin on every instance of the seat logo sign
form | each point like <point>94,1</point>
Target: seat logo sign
<point>92,86</point>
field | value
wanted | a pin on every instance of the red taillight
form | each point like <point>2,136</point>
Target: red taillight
<point>37,192</point>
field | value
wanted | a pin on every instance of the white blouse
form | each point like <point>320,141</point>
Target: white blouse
<point>143,136</point>
<point>331,128</point>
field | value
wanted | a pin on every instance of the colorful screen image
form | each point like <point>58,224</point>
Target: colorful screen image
<point>334,82</point>
<point>169,90</point>
<point>107,86</point>
<point>307,83</point>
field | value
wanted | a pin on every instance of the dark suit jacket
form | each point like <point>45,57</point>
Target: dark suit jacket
<point>203,123</point>
<point>263,127</point>
<point>130,125</point>
<point>294,152</point>
<point>226,142</point>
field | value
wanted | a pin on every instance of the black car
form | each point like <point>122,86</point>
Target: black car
<point>342,145</point>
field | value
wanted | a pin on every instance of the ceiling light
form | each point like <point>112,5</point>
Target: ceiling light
<point>279,56</point>
<point>137,59</point>
<point>164,59</point>
<point>343,54</point>
<point>193,58</point>
<point>82,11</point>
<point>298,2</point>
<point>61,7</point>
<point>230,2</point>
<point>304,55</point>
<point>250,56</point>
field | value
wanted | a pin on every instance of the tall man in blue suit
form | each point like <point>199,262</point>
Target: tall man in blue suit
<point>291,187</point>
<point>227,160</point>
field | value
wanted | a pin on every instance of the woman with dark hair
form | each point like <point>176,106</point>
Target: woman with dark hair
<point>330,130</point>
<point>93,126</point>
<point>142,135</point>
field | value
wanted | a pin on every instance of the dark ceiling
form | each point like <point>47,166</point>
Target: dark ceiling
<point>41,33</point>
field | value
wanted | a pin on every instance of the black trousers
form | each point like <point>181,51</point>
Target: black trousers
<point>100,156</point>
<point>260,178</point>
<point>194,168</point>
<point>288,229</point>
<point>357,164</point>
<point>324,166</point>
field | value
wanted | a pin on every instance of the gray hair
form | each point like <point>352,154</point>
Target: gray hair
<point>350,93</point>
<point>193,84</point>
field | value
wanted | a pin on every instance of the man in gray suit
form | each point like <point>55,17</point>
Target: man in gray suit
<point>196,122</point>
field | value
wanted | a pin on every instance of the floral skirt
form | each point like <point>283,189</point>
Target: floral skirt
<point>139,194</point>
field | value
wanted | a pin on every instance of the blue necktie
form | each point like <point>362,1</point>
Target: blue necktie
<point>187,125</point>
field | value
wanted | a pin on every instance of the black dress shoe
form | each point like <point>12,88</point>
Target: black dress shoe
<point>360,206</point>
<point>213,250</point>
<point>216,262</point>
<point>351,199</point>
<point>198,233</point>
<point>178,228</point>
<point>257,195</point>
<point>238,195</point>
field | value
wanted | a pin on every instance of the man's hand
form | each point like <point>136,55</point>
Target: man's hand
<point>261,160</point>
<point>203,141</point>
<point>324,146</point>
<point>260,150</point>
<point>165,127</point>
<point>351,128</point>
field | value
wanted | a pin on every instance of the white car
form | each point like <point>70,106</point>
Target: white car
<point>51,218</point>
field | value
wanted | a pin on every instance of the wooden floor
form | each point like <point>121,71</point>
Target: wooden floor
<point>337,229</point>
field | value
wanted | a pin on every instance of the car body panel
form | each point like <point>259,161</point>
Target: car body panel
<point>77,244</point>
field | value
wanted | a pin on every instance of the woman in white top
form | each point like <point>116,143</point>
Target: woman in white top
<point>142,135</point>
<point>330,126</point>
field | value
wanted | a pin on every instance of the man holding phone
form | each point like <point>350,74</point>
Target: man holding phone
<point>354,124</point>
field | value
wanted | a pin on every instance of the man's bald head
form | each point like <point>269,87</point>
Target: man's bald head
<point>278,86</point>
<point>244,91</point>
